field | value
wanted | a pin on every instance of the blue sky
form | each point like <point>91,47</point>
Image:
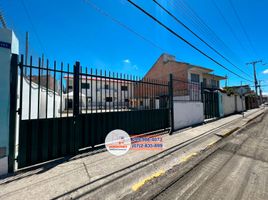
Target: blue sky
<point>73,30</point>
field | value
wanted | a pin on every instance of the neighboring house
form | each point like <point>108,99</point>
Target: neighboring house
<point>101,93</point>
<point>46,81</point>
<point>167,64</point>
<point>185,72</point>
<point>240,90</point>
<point>245,91</point>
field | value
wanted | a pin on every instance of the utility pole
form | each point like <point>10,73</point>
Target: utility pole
<point>253,63</point>
<point>26,47</point>
<point>260,91</point>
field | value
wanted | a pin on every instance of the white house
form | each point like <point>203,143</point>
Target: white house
<point>100,93</point>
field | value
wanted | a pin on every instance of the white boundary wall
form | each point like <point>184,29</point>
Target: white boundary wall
<point>240,103</point>
<point>228,104</point>
<point>187,113</point>
<point>232,104</point>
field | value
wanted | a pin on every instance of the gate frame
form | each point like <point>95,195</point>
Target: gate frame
<point>13,112</point>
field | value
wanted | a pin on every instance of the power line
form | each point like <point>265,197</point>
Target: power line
<point>180,22</point>
<point>181,38</point>
<point>102,12</point>
<point>230,27</point>
<point>2,19</point>
<point>243,28</point>
<point>203,26</point>
<point>33,27</point>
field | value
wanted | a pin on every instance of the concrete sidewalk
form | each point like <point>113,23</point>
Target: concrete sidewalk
<point>89,174</point>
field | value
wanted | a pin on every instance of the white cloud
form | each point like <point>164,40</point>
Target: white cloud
<point>126,61</point>
<point>265,71</point>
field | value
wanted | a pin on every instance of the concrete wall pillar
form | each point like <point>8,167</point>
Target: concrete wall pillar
<point>9,45</point>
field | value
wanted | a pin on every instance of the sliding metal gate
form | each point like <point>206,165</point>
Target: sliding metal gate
<point>64,109</point>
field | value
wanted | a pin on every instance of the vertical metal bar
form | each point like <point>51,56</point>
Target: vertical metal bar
<point>171,104</point>
<point>61,71</point>
<point>96,92</point>
<point>54,88</point>
<point>76,90</point>
<point>146,93</point>
<point>30,88</point>
<point>113,91</point>
<point>110,91</point>
<point>96,89</point>
<point>68,84</point>
<point>149,92</point>
<point>91,90</point>
<point>128,91</point>
<point>138,91</point>
<point>86,90</point>
<point>80,89</point>
<point>131,95</point>
<point>47,89</point>
<point>117,89</point>
<point>12,111</point>
<point>101,87</point>
<point>21,87</point>
<point>124,92</point>
<point>105,91</point>
<point>38,98</point>
<point>154,95</point>
<point>121,83</point>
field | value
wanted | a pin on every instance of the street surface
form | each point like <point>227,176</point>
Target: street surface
<point>238,170</point>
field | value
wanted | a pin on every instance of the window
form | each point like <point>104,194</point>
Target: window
<point>124,88</point>
<point>85,86</point>
<point>109,99</point>
<point>106,87</point>
<point>214,83</point>
<point>141,103</point>
<point>195,78</point>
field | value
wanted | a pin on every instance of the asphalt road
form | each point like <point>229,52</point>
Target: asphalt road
<point>238,170</point>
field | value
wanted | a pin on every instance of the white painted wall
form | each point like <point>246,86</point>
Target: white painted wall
<point>9,37</point>
<point>34,101</point>
<point>187,113</point>
<point>232,104</point>
<point>228,104</point>
<point>240,102</point>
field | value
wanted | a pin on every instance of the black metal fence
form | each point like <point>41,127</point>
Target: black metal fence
<point>64,108</point>
<point>210,99</point>
<point>186,91</point>
<point>53,91</point>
